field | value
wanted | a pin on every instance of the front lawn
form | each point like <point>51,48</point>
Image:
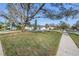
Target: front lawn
<point>75,38</point>
<point>30,43</point>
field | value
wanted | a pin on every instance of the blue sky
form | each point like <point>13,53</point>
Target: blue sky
<point>49,21</point>
<point>41,21</point>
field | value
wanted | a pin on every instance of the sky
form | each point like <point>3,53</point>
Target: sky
<point>41,21</point>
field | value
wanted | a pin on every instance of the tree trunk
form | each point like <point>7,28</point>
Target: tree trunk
<point>23,28</point>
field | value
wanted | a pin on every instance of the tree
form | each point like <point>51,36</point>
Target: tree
<point>18,27</point>
<point>63,25</point>
<point>47,26</point>
<point>74,27</point>
<point>1,26</point>
<point>26,12</point>
<point>77,25</point>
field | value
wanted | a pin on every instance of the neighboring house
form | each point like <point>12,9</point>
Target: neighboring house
<point>42,28</point>
<point>11,28</point>
<point>77,28</point>
<point>47,29</point>
<point>39,28</point>
<point>29,28</point>
<point>51,27</point>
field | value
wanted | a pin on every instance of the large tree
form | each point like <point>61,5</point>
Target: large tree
<point>25,12</point>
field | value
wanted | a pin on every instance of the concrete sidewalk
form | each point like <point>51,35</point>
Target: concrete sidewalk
<point>1,50</point>
<point>4,32</point>
<point>67,47</point>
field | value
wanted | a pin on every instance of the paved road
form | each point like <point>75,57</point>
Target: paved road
<point>67,47</point>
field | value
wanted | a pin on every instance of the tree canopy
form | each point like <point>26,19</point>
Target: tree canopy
<point>25,12</point>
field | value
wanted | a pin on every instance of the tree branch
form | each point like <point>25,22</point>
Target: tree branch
<point>37,10</point>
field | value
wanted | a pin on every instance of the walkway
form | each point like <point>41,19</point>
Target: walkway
<point>67,46</point>
<point>4,32</point>
<point>1,51</point>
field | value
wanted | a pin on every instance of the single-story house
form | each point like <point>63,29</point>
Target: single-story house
<point>39,28</point>
<point>29,28</point>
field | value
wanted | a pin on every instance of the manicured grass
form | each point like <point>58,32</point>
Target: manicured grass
<point>30,43</point>
<point>75,38</point>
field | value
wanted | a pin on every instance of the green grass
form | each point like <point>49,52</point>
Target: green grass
<point>75,38</point>
<point>30,43</point>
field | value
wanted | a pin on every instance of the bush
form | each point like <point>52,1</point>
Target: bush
<point>18,27</point>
